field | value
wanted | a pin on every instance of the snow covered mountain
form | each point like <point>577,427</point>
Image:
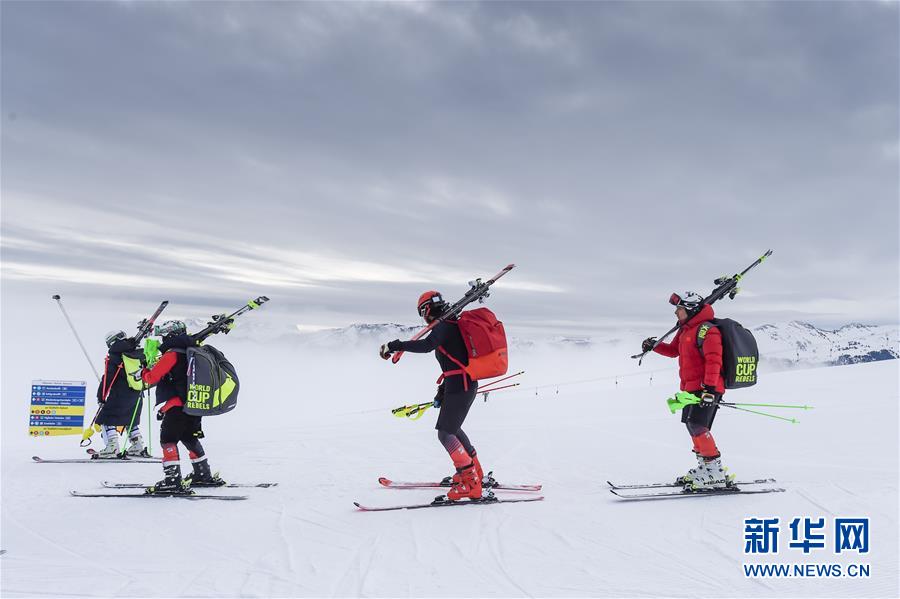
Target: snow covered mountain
<point>799,342</point>
<point>783,344</point>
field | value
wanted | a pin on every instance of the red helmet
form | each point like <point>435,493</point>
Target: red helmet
<point>431,304</point>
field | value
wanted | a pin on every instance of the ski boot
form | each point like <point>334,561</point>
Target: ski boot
<point>137,448</point>
<point>469,485</point>
<point>693,472</point>
<point>172,484</point>
<point>203,477</point>
<point>448,481</point>
<point>111,451</point>
<point>711,477</point>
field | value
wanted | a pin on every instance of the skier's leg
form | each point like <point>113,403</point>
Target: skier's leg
<point>709,472</point>
<point>169,434</point>
<point>110,436</point>
<point>454,409</point>
<point>464,439</point>
<point>202,475</point>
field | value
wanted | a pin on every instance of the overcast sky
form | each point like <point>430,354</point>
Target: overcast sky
<point>343,157</point>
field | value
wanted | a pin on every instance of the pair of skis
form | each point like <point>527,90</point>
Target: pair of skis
<point>187,495</point>
<point>488,498</point>
<point>677,490</point>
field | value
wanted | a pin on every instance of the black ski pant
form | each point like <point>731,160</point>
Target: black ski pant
<point>178,426</point>
<point>454,409</point>
<point>699,417</point>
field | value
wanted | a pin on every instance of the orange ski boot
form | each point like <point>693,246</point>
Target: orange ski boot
<point>468,487</point>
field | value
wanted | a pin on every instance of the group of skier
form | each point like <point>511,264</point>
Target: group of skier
<point>121,392</point>
<point>468,346</point>
<point>700,373</point>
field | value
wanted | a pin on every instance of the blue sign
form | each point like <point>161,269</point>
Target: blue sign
<point>57,408</point>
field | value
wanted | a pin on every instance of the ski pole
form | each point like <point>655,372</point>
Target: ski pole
<point>413,412</point>
<point>127,436</point>
<point>733,407</point>
<point>499,381</point>
<point>77,337</point>
<point>725,286</point>
<point>766,405</point>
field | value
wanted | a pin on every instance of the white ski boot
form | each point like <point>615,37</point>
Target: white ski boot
<point>111,438</point>
<point>137,447</point>
<point>693,472</point>
<point>711,476</point>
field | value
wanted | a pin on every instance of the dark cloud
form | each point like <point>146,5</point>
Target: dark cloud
<point>615,151</point>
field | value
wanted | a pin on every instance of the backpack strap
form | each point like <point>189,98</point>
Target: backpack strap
<point>461,371</point>
<point>701,334</point>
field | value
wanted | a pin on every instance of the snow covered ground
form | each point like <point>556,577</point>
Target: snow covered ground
<point>319,423</point>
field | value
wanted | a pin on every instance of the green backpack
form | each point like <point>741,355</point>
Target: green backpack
<point>212,382</point>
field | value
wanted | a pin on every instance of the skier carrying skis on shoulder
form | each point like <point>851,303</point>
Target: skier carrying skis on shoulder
<point>120,396</point>
<point>701,375</point>
<point>455,393</point>
<point>170,376</point>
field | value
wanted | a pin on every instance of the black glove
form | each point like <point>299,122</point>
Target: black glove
<point>707,395</point>
<point>388,348</point>
<point>439,396</point>
<point>160,415</point>
<point>648,344</point>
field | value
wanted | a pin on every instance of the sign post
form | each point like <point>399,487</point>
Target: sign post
<point>57,408</point>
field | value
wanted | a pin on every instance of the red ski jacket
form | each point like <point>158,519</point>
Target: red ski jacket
<point>694,368</point>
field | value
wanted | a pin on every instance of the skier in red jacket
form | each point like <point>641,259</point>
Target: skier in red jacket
<point>701,375</point>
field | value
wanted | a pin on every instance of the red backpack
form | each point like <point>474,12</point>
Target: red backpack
<point>485,341</point>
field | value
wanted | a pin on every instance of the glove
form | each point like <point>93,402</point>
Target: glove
<point>138,375</point>
<point>707,395</point>
<point>648,344</point>
<point>160,415</point>
<point>439,396</point>
<point>389,348</point>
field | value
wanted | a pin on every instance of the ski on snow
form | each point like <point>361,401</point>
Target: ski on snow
<point>110,485</point>
<point>488,483</point>
<point>161,495</point>
<point>758,481</point>
<point>679,494</point>
<point>132,460</point>
<point>442,501</point>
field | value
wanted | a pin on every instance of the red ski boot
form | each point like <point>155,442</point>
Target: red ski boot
<point>468,487</point>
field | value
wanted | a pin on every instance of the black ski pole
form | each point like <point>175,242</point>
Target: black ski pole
<point>724,286</point>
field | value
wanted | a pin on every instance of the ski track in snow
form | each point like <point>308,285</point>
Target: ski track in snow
<point>305,538</point>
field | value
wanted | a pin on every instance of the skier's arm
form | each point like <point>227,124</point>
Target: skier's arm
<point>712,355</point>
<point>153,375</point>
<point>422,346</point>
<point>670,350</point>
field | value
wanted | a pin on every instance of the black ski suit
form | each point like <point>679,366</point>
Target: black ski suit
<point>121,400</point>
<point>458,389</point>
<point>170,376</point>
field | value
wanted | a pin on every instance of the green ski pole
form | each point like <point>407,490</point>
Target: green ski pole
<point>766,405</point>
<point>733,407</point>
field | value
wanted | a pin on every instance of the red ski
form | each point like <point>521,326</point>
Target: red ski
<point>442,501</point>
<point>489,483</point>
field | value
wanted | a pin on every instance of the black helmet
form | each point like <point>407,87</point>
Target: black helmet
<point>113,336</point>
<point>169,328</point>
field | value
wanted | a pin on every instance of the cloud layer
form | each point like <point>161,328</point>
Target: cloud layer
<point>345,156</point>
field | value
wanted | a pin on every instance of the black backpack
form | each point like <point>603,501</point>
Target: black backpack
<point>212,382</point>
<point>740,356</point>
